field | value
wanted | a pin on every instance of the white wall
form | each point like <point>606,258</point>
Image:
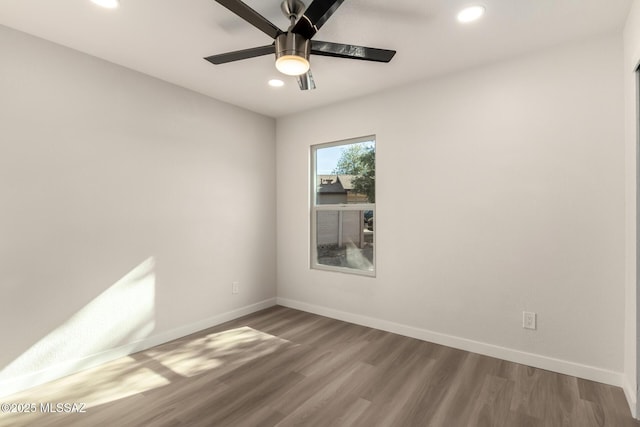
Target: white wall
<point>500,189</point>
<point>631,61</point>
<point>103,171</point>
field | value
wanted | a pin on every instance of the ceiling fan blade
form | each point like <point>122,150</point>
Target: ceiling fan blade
<point>340,50</point>
<point>237,55</point>
<point>306,82</point>
<point>315,16</point>
<point>252,17</point>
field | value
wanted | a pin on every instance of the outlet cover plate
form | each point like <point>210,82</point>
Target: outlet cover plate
<point>528,320</point>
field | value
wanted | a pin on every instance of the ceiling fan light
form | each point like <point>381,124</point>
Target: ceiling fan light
<point>292,65</point>
<point>108,4</point>
<point>292,54</point>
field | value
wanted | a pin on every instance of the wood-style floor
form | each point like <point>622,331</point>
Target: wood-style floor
<point>283,367</point>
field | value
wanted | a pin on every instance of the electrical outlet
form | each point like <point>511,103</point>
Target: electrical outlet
<point>528,320</point>
<point>235,288</point>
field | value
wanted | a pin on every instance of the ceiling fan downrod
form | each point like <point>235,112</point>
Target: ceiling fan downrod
<point>292,9</point>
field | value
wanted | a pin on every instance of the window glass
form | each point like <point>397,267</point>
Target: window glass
<point>346,173</point>
<point>343,206</point>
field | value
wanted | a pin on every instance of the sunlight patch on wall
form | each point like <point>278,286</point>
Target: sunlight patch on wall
<point>122,314</point>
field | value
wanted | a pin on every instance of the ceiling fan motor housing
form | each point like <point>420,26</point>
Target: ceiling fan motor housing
<point>292,44</point>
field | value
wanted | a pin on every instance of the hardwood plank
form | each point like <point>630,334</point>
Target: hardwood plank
<point>320,373</point>
<point>350,415</point>
<point>321,408</point>
<point>466,387</point>
<point>389,407</point>
<point>491,408</point>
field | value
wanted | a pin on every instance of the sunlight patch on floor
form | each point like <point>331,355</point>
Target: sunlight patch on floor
<point>220,350</point>
<point>136,375</point>
<point>112,381</point>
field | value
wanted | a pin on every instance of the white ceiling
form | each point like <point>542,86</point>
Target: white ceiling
<point>167,39</point>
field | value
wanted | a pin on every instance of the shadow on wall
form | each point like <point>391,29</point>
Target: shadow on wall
<point>122,314</point>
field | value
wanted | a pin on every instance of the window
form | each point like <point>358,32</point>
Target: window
<point>343,177</point>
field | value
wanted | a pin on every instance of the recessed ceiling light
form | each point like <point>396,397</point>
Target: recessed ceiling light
<point>276,83</point>
<point>109,4</point>
<point>471,13</point>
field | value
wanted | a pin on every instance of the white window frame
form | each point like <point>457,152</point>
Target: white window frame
<point>315,208</point>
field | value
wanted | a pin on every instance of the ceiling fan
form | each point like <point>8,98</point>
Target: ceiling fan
<point>293,47</point>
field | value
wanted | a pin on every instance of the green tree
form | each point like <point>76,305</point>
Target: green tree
<point>350,161</point>
<point>359,160</point>
<point>365,182</point>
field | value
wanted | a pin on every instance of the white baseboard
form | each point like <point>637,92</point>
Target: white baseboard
<point>631,397</point>
<point>13,385</point>
<point>529,359</point>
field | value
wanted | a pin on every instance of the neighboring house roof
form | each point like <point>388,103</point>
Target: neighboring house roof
<point>335,183</point>
<point>346,181</point>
